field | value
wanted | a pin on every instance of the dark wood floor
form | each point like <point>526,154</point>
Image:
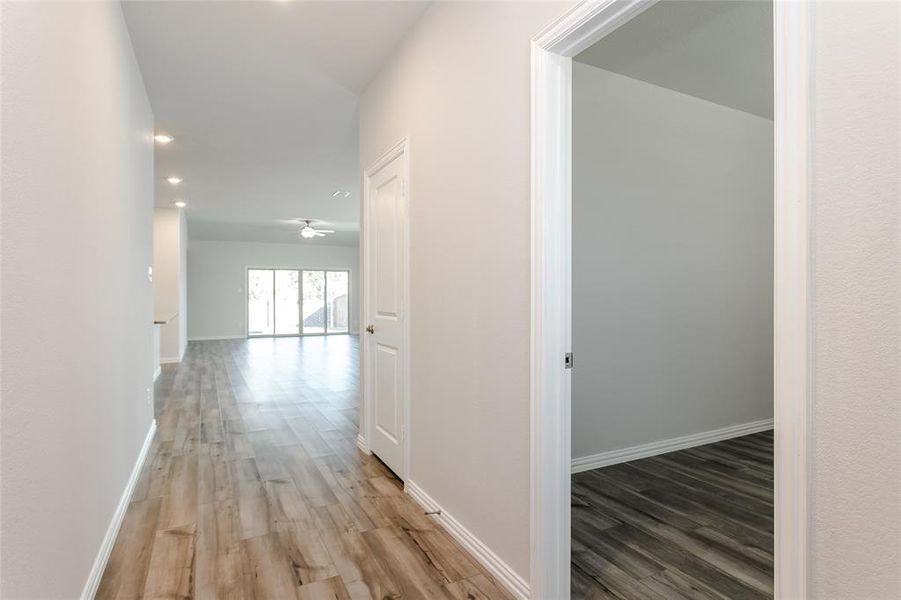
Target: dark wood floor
<point>691,524</point>
<point>254,488</point>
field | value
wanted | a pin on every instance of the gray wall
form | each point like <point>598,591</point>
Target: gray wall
<point>217,277</point>
<point>77,308</point>
<point>672,264</point>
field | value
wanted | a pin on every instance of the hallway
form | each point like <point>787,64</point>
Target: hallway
<point>254,488</point>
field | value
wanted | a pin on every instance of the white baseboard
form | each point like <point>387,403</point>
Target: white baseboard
<point>501,571</point>
<point>213,338</point>
<point>605,459</point>
<point>106,547</point>
<point>171,360</point>
<point>361,443</point>
<point>158,372</point>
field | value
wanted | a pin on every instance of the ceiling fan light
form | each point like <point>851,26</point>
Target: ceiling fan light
<point>307,232</point>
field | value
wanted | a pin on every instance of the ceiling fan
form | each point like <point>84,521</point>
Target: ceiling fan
<point>308,231</point>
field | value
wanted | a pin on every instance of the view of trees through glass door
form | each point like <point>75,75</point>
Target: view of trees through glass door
<point>297,302</point>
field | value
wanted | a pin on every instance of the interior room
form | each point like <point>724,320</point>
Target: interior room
<point>672,279</point>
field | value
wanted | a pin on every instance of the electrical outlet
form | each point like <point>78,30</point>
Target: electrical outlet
<point>149,397</point>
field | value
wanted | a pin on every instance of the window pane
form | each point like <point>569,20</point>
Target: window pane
<point>260,315</point>
<point>313,302</point>
<point>287,301</point>
<point>337,301</point>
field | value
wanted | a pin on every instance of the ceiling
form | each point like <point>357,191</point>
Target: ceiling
<point>261,98</point>
<point>717,50</point>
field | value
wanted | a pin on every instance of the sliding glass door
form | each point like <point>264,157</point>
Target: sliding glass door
<point>337,285</point>
<point>313,302</point>
<point>297,302</point>
<point>287,302</point>
<point>260,302</point>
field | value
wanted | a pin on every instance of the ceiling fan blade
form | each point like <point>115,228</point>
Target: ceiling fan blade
<point>320,234</point>
<point>326,230</point>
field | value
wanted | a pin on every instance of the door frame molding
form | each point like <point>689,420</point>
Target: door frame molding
<point>551,326</point>
<point>401,148</point>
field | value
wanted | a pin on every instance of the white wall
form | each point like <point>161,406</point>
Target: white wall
<point>183,283</point>
<point>217,277</point>
<point>672,264</point>
<point>77,187</point>
<point>170,290</point>
<point>458,87</point>
<point>157,368</point>
<point>856,446</point>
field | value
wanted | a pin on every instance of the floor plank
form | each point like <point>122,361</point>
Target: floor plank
<point>696,523</point>
<point>254,489</point>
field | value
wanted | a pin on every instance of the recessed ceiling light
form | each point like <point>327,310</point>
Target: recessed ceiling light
<point>181,204</point>
<point>341,194</point>
<point>174,180</point>
<point>163,138</point>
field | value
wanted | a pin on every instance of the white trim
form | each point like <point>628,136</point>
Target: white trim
<point>402,148</point>
<point>605,459</point>
<point>158,372</point>
<point>213,338</point>
<point>793,292</point>
<point>502,572</point>
<point>106,546</point>
<point>552,52</point>
<point>550,331</point>
<point>362,444</point>
<point>586,23</point>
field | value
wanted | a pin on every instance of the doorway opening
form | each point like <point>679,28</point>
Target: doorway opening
<point>553,302</point>
<point>292,302</point>
<point>672,288</point>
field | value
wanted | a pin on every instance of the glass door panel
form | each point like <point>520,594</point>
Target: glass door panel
<point>287,302</point>
<point>337,285</point>
<point>260,305</point>
<point>313,302</point>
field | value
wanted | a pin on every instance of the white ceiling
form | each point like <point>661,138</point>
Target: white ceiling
<point>717,50</point>
<point>261,98</point>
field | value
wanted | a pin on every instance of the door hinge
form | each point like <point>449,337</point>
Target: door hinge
<point>568,360</point>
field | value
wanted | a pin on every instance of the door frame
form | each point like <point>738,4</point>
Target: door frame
<point>551,326</point>
<point>401,148</point>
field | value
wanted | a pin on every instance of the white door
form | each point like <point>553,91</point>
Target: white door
<point>385,231</point>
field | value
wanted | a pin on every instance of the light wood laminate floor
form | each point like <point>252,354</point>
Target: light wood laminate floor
<point>254,488</point>
<point>696,523</point>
